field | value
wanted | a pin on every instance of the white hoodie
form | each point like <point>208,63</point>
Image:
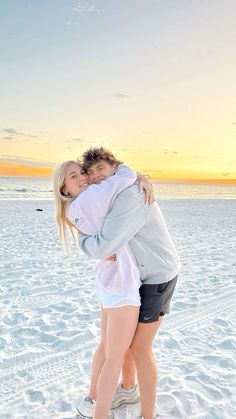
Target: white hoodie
<point>87,213</point>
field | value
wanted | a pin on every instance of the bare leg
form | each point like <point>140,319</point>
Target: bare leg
<point>141,348</point>
<point>99,357</point>
<point>128,371</point>
<point>121,326</point>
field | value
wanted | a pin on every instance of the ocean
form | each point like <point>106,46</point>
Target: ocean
<point>26,188</point>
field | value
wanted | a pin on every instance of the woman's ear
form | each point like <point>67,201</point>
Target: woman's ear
<point>64,193</point>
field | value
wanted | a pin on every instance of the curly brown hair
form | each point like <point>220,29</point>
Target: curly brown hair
<point>93,155</point>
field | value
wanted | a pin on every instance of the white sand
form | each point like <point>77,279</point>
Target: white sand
<point>50,316</point>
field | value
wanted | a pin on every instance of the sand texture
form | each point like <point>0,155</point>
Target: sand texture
<point>50,316</point>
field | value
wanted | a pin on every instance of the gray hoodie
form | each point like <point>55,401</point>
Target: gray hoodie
<point>143,227</point>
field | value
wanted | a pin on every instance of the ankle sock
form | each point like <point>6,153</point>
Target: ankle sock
<point>131,389</point>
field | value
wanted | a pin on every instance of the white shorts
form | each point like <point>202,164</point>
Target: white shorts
<point>112,301</point>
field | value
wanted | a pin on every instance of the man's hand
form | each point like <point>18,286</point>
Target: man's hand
<point>111,258</point>
<point>146,185</point>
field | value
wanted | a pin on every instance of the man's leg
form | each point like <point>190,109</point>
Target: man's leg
<point>141,348</point>
<point>128,371</point>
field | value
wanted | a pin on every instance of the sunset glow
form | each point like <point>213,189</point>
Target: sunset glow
<point>153,82</point>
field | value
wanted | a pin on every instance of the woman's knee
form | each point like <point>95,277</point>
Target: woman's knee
<point>102,347</point>
<point>116,354</point>
<point>115,360</point>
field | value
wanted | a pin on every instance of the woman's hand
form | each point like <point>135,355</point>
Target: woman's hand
<point>111,258</point>
<point>146,185</point>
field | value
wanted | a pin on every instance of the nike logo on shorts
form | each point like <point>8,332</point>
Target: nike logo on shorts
<point>147,318</point>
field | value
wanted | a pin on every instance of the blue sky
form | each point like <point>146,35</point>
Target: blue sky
<point>153,80</point>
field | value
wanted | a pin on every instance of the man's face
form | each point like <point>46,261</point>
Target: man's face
<point>100,171</point>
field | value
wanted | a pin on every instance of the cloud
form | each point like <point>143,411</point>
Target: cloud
<point>72,23</point>
<point>4,156</point>
<point>11,131</point>
<point>77,140</point>
<point>92,9</point>
<point>226,174</point>
<point>7,138</point>
<point>81,8</point>
<point>74,140</point>
<point>170,152</point>
<point>26,161</point>
<point>120,95</point>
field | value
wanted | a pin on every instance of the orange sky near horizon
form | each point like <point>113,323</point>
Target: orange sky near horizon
<point>20,170</point>
<point>8,169</point>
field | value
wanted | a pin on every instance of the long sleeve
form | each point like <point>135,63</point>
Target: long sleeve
<point>88,211</point>
<point>121,224</point>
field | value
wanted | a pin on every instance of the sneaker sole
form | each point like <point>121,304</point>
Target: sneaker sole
<point>122,401</point>
<point>86,417</point>
<point>90,417</point>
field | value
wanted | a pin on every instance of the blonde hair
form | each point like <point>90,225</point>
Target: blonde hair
<point>62,202</point>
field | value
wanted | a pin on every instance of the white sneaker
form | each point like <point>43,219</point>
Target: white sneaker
<point>86,408</point>
<point>123,396</point>
<point>142,417</point>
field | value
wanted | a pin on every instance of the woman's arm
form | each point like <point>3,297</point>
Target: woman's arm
<point>146,186</point>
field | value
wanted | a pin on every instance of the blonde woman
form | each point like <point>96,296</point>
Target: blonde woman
<point>117,279</point>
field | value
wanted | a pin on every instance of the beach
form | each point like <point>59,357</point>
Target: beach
<point>50,315</point>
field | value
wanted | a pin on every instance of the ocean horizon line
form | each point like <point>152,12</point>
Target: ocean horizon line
<point>156,180</point>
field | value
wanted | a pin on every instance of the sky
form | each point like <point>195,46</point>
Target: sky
<point>152,80</point>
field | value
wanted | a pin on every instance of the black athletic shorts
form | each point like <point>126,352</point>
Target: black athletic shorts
<point>155,300</point>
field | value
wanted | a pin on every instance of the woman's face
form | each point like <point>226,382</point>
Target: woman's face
<point>76,180</point>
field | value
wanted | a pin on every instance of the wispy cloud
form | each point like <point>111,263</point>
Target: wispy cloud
<point>82,8</point>
<point>7,138</point>
<point>93,9</point>
<point>15,133</point>
<point>11,131</point>
<point>170,152</point>
<point>72,23</point>
<point>26,161</point>
<point>120,95</point>
<point>226,174</point>
<point>75,140</point>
